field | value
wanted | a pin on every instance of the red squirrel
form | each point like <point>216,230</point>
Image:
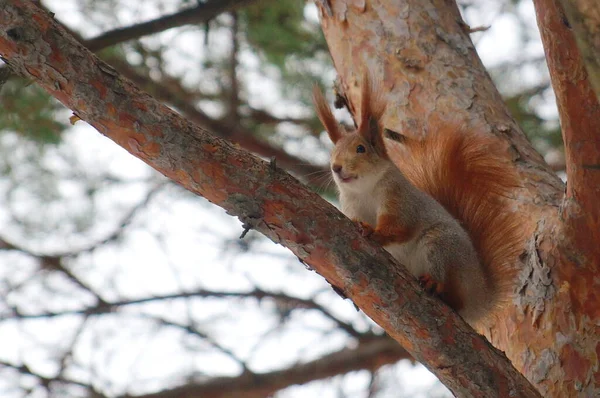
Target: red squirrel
<point>410,201</point>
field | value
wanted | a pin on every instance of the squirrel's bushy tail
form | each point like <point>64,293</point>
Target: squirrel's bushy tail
<point>467,173</point>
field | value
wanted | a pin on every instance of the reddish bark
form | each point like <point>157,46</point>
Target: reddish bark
<point>583,16</point>
<point>175,94</point>
<point>262,196</point>
<point>233,132</point>
<point>421,51</point>
<point>573,316</point>
<point>580,123</point>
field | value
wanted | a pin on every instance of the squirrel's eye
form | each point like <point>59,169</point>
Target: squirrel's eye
<point>360,149</point>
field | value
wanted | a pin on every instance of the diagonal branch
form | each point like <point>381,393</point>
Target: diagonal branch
<point>203,12</point>
<point>368,355</point>
<point>175,94</point>
<point>171,91</point>
<point>263,196</point>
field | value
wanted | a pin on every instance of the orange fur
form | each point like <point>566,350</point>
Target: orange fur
<point>325,115</point>
<point>468,175</point>
<point>372,108</point>
<point>388,231</point>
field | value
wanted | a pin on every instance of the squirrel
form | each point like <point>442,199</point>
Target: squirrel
<point>413,200</point>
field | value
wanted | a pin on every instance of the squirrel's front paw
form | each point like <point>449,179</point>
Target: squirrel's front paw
<point>431,285</point>
<point>365,229</point>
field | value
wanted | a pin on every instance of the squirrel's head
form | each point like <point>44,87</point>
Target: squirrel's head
<point>356,162</point>
<point>359,158</point>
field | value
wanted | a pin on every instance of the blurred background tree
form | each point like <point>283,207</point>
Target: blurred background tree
<point>116,282</point>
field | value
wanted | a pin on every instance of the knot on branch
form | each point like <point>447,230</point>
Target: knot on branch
<point>21,33</point>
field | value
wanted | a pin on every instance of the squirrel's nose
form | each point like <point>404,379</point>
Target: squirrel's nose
<point>336,168</point>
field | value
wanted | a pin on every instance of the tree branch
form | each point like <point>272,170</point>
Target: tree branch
<point>583,16</point>
<point>175,94</point>
<point>263,197</point>
<point>23,369</point>
<point>579,112</point>
<point>53,263</point>
<point>234,86</point>
<point>171,91</point>
<point>203,12</point>
<point>369,355</point>
<point>258,294</point>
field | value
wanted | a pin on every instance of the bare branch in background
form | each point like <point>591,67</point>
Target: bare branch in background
<point>368,355</point>
<point>203,12</point>
<point>46,382</point>
<point>234,87</point>
<point>171,91</point>
<point>258,294</point>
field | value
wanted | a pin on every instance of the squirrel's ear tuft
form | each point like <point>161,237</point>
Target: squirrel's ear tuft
<point>325,115</point>
<point>371,110</point>
<point>373,134</point>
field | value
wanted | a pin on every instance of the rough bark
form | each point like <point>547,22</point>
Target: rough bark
<point>583,16</point>
<point>175,94</point>
<point>579,112</point>
<point>423,54</point>
<point>262,196</point>
<point>574,313</point>
<point>225,128</point>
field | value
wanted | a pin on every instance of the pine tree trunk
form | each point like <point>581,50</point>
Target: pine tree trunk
<point>422,52</point>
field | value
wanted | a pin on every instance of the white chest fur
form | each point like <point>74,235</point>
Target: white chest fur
<point>364,206</point>
<point>360,206</point>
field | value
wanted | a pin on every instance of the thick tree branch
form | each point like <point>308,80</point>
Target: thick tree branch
<point>262,196</point>
<point>203,12</point>
<point>175,95</point>
<point>583,16</point>
<point>369,355</point>
<point>172,92</point>
<point>580,123</point>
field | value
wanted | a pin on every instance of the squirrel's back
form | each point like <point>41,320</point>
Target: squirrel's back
<point>467,173</point>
